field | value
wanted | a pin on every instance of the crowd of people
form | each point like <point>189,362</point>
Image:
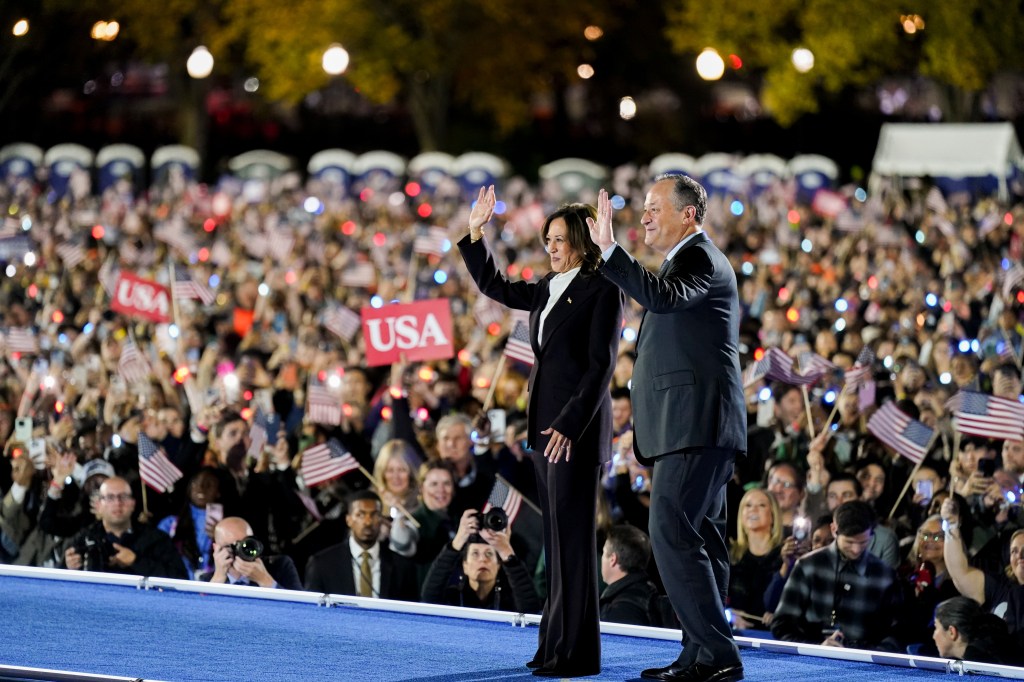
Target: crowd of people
<point>835,537</point>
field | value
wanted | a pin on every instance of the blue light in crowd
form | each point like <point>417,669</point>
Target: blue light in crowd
<point>313,205</point>
<point>440,276</point>
<point>747,268</point>
<point>830,396</point>
<point>975,346</point>
<point>764,394</point>
<point>1005,264</point>
<point>172,331</point>
<point>834,426</point>
<point>887,362</point>
<point>860,195</point>
<point>618,203</point>
<point>26,223</point>
<point>62,338</point>
<point>806,246</point>
<point>945,378</point>
<point>447,246</point>
<point>193,258</point>
<point>629,334</point>
<point>919,237</point>
<point>841,305</point>
<point>840,324</point>
<point>964,345</point>
<point>214,281</point>
<point>500,207</point>
<point>736,207</point>
<point>87,329</point>
<point>376,301</point>
<point>931,300</point>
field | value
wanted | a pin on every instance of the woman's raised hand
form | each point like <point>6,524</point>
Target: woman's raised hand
<point>482,211</point>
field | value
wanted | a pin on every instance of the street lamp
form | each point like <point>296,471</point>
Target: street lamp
<point>200,63</point>
<point>20,28</point>
<point>710,65</point>
<point>803,59</point>
<point>335,60</point>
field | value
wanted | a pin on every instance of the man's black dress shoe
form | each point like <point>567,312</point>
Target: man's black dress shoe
<point>534,664</point>
<point>702,672</point>
<point>669,672</point>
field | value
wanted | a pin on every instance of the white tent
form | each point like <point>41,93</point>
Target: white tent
<point>948,150</point>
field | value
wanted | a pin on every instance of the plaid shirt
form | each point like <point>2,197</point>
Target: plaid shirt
<point>865,594</point>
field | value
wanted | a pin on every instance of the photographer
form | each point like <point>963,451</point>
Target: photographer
<point>238,559</point>
<point>115,545</point>
<point>491,575</point>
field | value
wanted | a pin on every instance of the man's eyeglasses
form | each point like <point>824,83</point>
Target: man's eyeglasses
<point>122,497</point>
<point>934,537</point>
<point>779,482</point>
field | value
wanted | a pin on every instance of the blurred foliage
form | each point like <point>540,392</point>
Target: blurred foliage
<point>493,56</point>
<point>963,44</point>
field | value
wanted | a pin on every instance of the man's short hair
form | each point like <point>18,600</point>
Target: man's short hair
<point>844,476</point>
<point>450,420</point>
<point>853,518</point>
<point>621,392</point>
<point>631,547</point>
<point>225,419</point>
<point>359,495</point>
<point>687,192</point>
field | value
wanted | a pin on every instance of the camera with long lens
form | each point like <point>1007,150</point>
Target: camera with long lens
<point>247,549</point>
<point>95,552</point>
<point>494,519</point>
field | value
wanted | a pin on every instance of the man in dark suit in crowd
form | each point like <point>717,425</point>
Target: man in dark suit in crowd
<point>689,416</point>
<point>241,569</point>
<point>362,566</point>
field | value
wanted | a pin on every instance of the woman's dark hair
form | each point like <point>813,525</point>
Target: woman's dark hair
<point>578,233</point>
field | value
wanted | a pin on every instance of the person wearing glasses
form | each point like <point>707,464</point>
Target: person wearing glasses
<point>926,582</point>
<point>115,544</point>
<point>786,484</point>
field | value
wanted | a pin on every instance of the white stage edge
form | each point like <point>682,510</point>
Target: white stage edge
<point>514,619</point>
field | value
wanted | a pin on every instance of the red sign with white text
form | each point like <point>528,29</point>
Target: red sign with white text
<point>137,297</point>
<point>421,330</point>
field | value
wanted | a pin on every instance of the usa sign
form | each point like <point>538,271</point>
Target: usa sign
<point>420,331</point>
<point>137,297</point>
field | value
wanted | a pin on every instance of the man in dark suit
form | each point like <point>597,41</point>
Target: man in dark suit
<point>240,569</point>
<point>689,417</point>
<point>362,566</point>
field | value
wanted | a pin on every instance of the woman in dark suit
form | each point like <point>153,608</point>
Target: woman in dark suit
<point>575,318</point>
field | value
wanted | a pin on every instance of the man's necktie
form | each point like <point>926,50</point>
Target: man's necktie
<point>664,267</point>
<point>365,577</point>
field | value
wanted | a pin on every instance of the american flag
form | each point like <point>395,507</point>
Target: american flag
<point>71,254</point>
<point>185,287</point>
<point>259,434</point>
<point>487,312</point>
<point>775,365</point>
<point>505,496</point>
<point>323,406</point>
<point>156,471</point>
<point>813,365</point>
<point>280,245</point>
<point>359,275</point>
<point>934,201</point>
<point>343,321</point>
<point>860,373</point>
<point>518,345</point>
<point>908,437</point>
<point>22,340</point>
<point>108,275</point>
<point>175,234</point>
<point>433,243</point>
<point>132,366</point>
<point>980,414</point>
<point>1012,279</point>
<point>848,221</point>
<point>325,461</point>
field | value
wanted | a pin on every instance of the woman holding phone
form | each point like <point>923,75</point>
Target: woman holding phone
<point>575,316</point>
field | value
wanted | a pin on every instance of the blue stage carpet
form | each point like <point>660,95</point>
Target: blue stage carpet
<point>183,636</point>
